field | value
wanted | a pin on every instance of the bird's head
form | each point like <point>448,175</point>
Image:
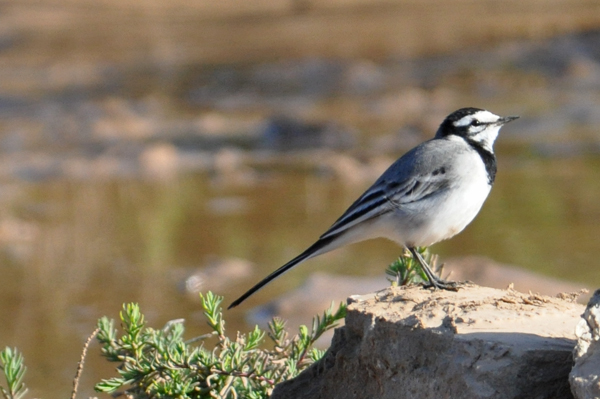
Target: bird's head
<point>475,125</point>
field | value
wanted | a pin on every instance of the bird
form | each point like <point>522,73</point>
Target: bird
<point>429,194</point>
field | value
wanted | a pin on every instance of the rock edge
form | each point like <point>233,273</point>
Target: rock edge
<point>410,342</point>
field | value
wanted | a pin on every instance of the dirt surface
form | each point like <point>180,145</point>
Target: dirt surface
<point>475,309</point>
<point>475,343</point>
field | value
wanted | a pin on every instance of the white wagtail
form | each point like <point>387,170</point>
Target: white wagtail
<point>428,195</point>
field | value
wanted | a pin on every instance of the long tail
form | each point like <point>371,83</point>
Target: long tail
<point>317,248</point>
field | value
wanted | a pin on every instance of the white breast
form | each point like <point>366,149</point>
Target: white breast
<point>441,217</point>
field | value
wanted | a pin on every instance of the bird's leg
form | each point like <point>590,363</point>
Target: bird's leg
<point>434,281</point>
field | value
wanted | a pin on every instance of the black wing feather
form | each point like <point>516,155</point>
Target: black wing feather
<point>385,196</point>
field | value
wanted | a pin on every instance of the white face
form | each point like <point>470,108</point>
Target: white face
<point>482,127</point>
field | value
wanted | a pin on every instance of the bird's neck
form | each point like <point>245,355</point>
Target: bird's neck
<point>488,157</point>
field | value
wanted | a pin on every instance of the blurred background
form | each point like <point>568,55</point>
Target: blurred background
<point>150,150</point>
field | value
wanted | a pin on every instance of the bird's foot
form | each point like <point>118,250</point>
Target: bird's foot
<point>444,285</point>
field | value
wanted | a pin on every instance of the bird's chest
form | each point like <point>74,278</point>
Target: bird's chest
<point>461,203</point>
<point>441,217</point>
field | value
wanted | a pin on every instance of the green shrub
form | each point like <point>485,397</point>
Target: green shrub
<point>161,364</point>
<point>11,364</point>
<point>406,270</point>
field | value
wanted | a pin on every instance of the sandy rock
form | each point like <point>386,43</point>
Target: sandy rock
<point>485,271</point>
<point>585,376</point>
<point>478,342</point>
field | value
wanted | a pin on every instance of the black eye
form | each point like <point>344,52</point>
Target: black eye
<point>475,122</point>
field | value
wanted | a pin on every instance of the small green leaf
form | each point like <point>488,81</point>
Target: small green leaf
<point>11,363</point>
<point>110,385</point>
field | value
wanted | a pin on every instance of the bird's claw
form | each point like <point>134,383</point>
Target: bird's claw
<point>444,285</point>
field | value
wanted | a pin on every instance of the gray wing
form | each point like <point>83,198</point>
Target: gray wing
<point>415,177</point>
<point>405,182</point>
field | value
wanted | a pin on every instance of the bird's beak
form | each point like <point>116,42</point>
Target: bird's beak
<point>506,119</point>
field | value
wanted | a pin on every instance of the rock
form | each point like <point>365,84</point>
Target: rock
<point>283,133</point>
<point>585,376</point>
<point>217,275</point>
<point>478,342</point>
<point>364,77</point>
<point>230,168</point>
<point>160,161</point>
<point>487,272</point>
